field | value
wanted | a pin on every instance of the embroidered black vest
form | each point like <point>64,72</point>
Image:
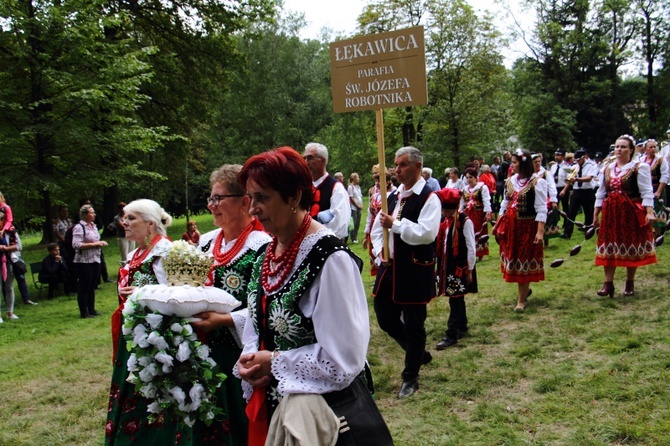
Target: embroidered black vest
<point>326,192</point>
<point>628,183</point>
<point>282,325</point>
<point>525,199</point>
<point>413,265</point>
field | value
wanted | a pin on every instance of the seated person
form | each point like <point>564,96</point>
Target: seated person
<point>192,235</point>
<point>54,270</point>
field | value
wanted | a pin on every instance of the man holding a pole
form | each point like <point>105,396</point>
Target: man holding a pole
<point>405,282</point>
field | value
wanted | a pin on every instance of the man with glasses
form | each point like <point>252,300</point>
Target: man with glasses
<point>331,198</point>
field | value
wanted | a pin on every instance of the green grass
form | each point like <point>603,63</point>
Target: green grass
<point>574,369</point>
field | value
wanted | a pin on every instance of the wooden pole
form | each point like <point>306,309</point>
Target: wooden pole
<point>382,175</point>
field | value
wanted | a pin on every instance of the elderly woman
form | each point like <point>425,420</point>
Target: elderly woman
<point>306,291</point>
<point>626,200</point>
<point>520,229</point>
<point>234,246</point>
<point>88,248</point>
<point>144,223</point>
<point>476,204</point>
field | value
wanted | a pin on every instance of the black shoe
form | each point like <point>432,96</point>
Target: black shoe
<point>108,281</point>
<point>565,236</point>
<point>408,388</point>
<point>445,343</point>
<point>427,357</point>
<point>94,313</point>
<point>88,316</point>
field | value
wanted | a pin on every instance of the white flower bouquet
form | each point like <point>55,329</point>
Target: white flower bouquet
<point>169,365</point>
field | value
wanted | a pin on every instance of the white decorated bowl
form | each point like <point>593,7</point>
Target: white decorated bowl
<point>185,300</point>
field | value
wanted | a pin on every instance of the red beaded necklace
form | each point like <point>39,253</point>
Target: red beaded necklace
<point>226,257</point>
<point>522,181</point>
<point>139,258</point>
<point>285,260</point>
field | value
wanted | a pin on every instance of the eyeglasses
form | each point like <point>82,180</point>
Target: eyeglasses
<point>216,199</point>
<point>310,157</point>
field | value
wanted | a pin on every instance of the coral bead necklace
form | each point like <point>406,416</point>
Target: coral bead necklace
<point>226,257</point>
<point>285,261</point>
<point>139,258</point>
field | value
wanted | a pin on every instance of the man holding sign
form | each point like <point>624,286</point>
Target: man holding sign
<point>406,281</point>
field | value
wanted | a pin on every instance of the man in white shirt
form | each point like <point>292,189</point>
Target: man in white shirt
<point>665,148</point>
<point>583,192</point>
<point>405,283</point>
<point>331,197</point>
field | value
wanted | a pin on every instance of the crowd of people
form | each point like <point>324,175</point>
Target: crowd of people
<point>280,248</point>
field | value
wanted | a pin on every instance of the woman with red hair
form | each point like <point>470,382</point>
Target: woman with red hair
<point>305,291</point>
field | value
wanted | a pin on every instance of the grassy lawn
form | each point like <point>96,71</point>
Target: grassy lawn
<point>574,369</point>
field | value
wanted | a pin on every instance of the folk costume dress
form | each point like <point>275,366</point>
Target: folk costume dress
<point>475,204</point>
<point>127,422</point>
<point>374,207</point>
<point>660,173</point>
<point>230,273</point>
<point>524,205</point>
<point>303,317</point>
<point>624,237</point>
<point>456,256</point>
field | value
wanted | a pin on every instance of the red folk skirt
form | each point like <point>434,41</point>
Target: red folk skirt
<point>479,221</point>
<point>622,241</point>
<point>521,260</point>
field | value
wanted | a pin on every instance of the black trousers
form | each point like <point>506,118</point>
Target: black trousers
<point>88,274</point>
<point>457,324</point>
<point>584,198</point>
<point>409,332</point>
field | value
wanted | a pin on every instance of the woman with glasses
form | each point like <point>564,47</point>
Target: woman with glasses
<point>234,246</point>
<point>625,198</point>
<point>520,229</point>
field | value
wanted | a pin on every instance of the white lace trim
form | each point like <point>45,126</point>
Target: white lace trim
<point>305,247</point>
<point>309,375</point>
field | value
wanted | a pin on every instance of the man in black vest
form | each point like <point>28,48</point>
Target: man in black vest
<point>331,200</point>
<point>405,282</point>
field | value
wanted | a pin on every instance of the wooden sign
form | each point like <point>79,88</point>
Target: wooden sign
<point>379,71</point>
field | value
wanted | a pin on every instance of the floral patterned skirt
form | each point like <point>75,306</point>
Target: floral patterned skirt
<point>621,240</point>
<point>479,222</point>
<point>521,260</point>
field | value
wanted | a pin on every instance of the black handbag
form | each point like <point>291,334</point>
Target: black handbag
<point>19,267</point>
<point>361,423</point>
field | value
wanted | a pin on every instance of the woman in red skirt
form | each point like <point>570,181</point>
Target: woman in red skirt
<point>520,229</point>
<point>476,204</point>
<point>625,191</point>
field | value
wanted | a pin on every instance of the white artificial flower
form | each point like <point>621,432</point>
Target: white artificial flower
<point>154,320</point>
<point>177,328</point>
<point>144,360</point>
<point>189,421</point>
<point>126,330</point>
<point>184,407</point>
<point>128,308</point>
<point>149,391</point>
<point>148,373</point>
<point>154,408</point>
<point>142,341</point>
<point>178,394</point>
<point>188,330</point>
<point>131,378</point>
<point>177,340</point>
<point>202,351</point>
<point>157,340</point>
<point>183,352</point>
<point>166,360</point>
<point>132,363</point>
<point>197,394</point>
